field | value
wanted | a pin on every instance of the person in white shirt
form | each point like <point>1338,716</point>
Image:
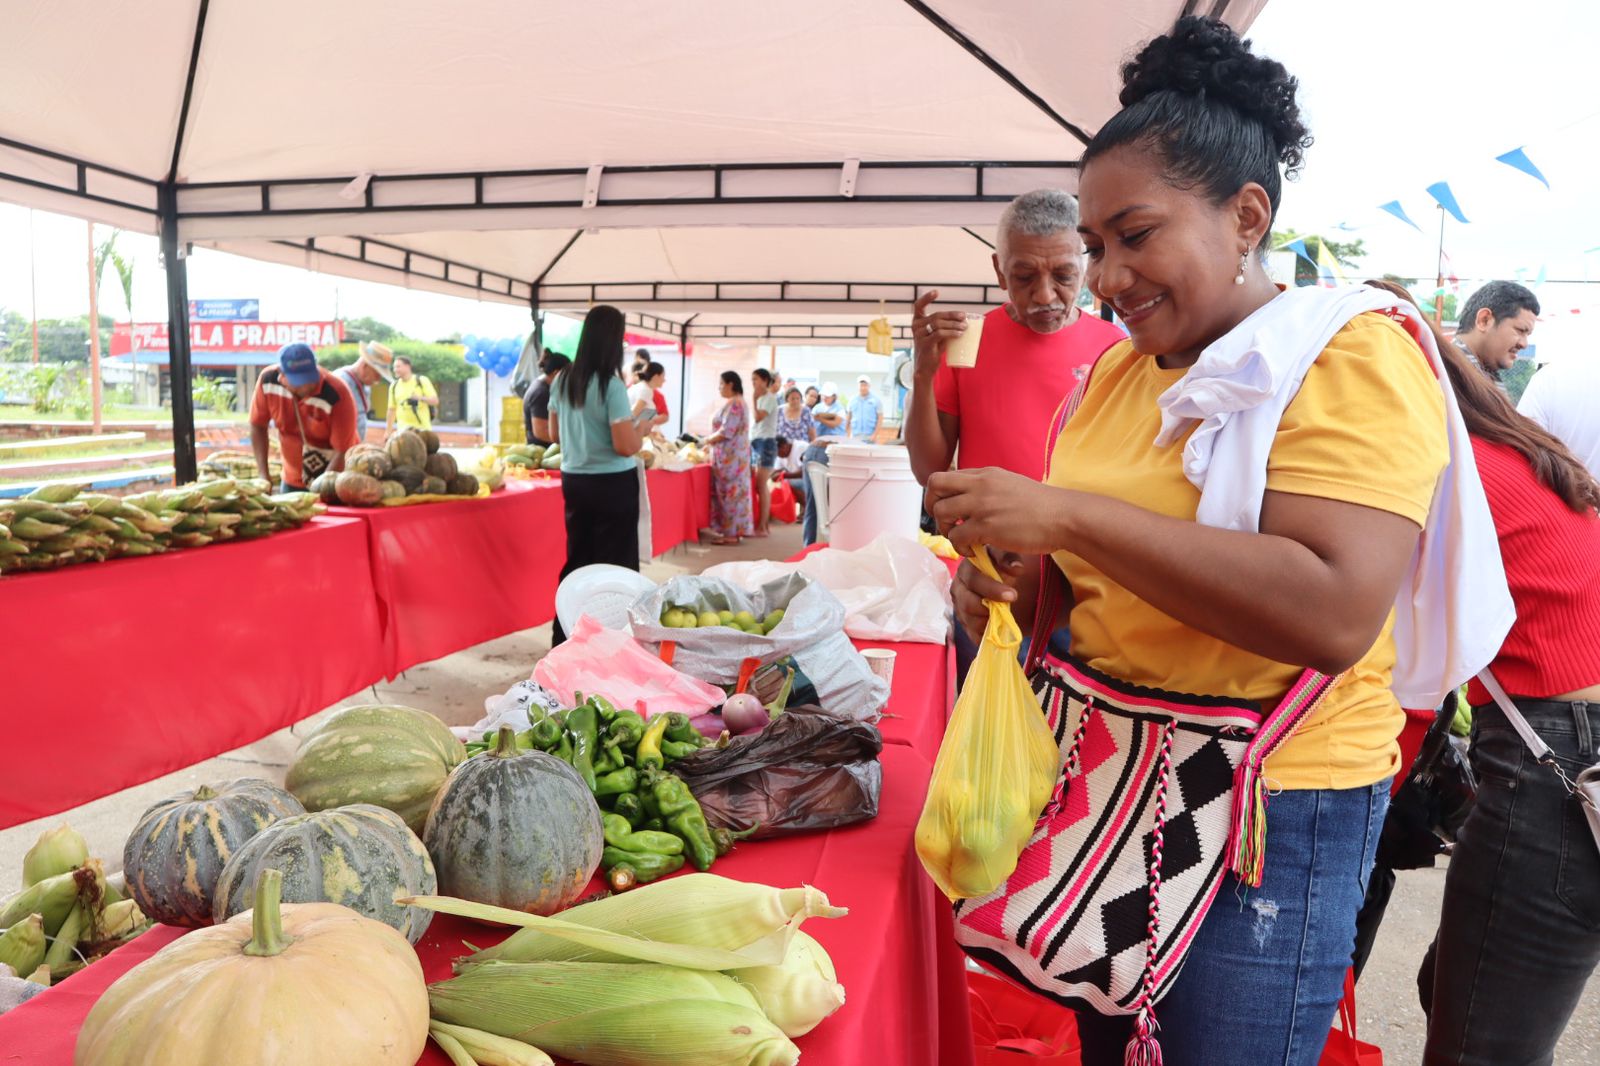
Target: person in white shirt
<point>1564,398</point>
<point>642,394</point>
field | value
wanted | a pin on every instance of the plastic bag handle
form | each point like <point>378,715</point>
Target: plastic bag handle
<point>1002,628</point>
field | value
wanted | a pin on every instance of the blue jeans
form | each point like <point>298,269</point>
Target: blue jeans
<point>764,451</point>
<point>1266,971</point>
<point>816,453</point>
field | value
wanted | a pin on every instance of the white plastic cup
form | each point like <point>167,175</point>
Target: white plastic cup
<point>881,662</point>
<point>962,352</point>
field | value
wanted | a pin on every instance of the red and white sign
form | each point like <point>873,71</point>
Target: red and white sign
<point>128,337</point>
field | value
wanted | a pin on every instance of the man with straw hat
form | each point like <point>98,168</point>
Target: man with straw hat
<point>375,361</point>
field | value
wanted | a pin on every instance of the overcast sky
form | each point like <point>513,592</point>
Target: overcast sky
<point>1399,94</point>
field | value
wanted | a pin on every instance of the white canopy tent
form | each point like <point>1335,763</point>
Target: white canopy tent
<point>768,166</point>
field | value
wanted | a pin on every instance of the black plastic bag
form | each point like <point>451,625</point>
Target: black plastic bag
<point>807,770</point>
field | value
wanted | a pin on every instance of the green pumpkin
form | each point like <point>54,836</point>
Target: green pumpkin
<point>390,756</point>
<point>359,857</point>
<point>177,850</point>
<point>516,829</point>
<point>407,448</point>
<point>409,476</point>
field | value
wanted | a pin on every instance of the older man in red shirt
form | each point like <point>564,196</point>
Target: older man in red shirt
<point>1033,352</point>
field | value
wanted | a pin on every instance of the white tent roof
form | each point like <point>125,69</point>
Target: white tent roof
<point>759,162</point>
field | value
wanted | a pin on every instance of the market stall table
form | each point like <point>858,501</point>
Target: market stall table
<point>451,575</point>
<point>680,506</point>
<point>906,999</point>
<point>118,672</point>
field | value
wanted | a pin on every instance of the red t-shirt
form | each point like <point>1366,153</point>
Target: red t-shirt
<point>660,402</point>
<point>1005,403</point>
<point>1552,560</point>
<point>329,417</point>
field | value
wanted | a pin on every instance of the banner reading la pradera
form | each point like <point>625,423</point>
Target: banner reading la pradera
<point>226,336</point>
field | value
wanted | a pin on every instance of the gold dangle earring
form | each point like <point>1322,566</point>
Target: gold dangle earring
<point>1244,260</point>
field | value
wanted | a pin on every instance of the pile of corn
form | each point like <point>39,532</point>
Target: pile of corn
<point>68,912</point>
<point>698,969</point>
<point>59,525</point>
<point>234,464</point>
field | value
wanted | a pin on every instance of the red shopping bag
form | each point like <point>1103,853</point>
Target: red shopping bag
<point>1342,1048</point>
<point>783,503</point>
<point>1014,1027</point>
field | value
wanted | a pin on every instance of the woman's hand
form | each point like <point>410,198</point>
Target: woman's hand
<point>998,508</point>
<point>973,589</point>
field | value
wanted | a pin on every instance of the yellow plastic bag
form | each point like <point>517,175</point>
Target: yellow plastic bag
<point>997,765</point>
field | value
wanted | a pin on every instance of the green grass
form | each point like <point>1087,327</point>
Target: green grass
<point>83,477</point>
<point>17,412</point>
<point>83,451</point>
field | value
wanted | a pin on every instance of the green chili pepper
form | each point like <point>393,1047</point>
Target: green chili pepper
<point>619,834</point>
<point>679,728</point>
<point>525,740</point>
<point>624,869</point>
<point>629,807</point>
<point>604,708</point>
<point>564,748</point>
<point>649,753</point>
<point>725,839</point>
<point>617,782</point>
<point>546,734</point>
<point>685,818</point>
<point>654,825</point>
<point>647,798</point>
<point>626,730</point>
<point>607,759</point>
<point>673,750</point>
<point>582,723</point>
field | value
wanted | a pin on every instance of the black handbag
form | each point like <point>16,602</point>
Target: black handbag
<point>1428,810</point>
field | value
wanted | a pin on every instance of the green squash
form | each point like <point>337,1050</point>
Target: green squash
<point>177,850</point>
<point>441,465</point>
<point>393,757</point>
<point>431,439</point>
<point>359,857</point>
<point>356,489</point>
<point>463,485</point>
<point>409,476</point>
<point>392,490</point>
<point>515,829</point>
<point>407,448</point>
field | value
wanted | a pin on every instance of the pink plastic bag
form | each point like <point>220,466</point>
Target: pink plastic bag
<point>600,661</point>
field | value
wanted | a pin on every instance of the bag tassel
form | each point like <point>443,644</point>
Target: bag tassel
<point>1247,838</point>
<point>1143,1049</point>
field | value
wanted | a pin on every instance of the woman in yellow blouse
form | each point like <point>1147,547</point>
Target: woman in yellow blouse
<point>1178,194</point>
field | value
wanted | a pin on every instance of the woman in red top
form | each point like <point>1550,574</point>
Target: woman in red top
<point>1519,935</point>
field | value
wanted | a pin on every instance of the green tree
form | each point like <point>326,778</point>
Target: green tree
<point>1348,253</point>
<point>1516,379</point>
<point>440,362</point>
<point>367,328</point>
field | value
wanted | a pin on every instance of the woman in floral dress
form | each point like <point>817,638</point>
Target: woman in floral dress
<point>730,465</point>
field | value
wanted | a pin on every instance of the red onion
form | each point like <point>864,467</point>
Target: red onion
<point>708,724</point>
<point>743,713</point>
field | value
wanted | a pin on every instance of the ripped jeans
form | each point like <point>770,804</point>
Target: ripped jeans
<point>1266,971</point>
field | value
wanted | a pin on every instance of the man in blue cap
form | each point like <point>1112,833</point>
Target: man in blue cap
<point>314,413</point>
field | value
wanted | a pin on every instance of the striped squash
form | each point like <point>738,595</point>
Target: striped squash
<point>358,856</point>
<point>390,756</point>
<point>177,850</point>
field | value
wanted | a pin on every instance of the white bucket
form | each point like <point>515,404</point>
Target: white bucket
<point>871,490</point>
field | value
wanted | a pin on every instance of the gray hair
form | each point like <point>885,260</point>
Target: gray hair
<point>1040,213</point>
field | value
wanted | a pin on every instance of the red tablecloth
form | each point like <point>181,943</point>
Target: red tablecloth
<point>924,688</point>
<point>680,506</point>
<point>906,1000</point>
<point>116,673</point>
<point>451,575</point>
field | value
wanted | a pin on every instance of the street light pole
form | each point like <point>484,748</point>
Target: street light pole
<point>94,330</point>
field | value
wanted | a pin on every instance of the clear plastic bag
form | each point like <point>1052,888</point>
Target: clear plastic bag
<point>997,765</point>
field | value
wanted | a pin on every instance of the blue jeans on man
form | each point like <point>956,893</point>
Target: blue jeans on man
<point>816,453</point>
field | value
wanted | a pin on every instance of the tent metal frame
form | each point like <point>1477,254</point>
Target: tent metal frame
<point>167,204</point>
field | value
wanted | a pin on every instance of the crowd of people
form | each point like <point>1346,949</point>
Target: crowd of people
<point>1308,508</point>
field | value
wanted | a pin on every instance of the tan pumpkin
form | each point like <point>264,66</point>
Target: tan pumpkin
<point>304,983</point>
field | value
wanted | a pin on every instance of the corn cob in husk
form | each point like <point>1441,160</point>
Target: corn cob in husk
<point>616,1014</point>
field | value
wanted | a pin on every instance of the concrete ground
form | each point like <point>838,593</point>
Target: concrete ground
<point>454,688</point>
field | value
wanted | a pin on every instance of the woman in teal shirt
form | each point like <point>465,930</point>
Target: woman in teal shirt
<point>591,420</point>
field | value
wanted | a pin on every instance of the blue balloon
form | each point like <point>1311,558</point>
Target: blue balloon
<point>507,346</point>
<point>470,341</point>
<point>505,365</point>
<point>473,357</point>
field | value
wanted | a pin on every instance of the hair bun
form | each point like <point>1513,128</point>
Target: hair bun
<point>1204,58</point>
